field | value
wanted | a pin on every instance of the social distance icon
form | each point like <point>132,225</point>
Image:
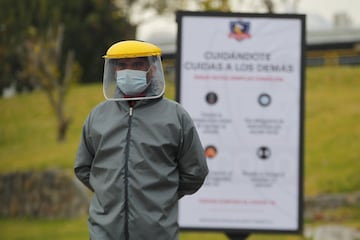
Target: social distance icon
<point>211,98</point>
<point>210,151</point>
<point>264,99</point>
<point>263,152</point>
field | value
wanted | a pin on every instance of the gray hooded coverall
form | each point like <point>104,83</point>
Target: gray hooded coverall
<point>138,161</point>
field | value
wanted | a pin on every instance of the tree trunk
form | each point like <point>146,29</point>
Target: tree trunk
<point>63,126</point>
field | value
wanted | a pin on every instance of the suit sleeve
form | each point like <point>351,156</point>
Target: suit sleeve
<point>193,168</point>
<point>84,157</point>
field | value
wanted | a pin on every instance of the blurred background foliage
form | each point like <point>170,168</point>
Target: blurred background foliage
<point>34,33</point>
<point>90,26</point>
<point>51,45</point>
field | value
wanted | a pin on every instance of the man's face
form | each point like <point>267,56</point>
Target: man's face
<point>140,63</point>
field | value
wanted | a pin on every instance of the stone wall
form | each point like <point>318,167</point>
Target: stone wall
<point>317,206</point>
<point>55,194</point>
<point>46,194</point>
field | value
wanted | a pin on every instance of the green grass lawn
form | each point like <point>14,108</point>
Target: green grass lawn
<point>332,137</point>
<point>76,229</point>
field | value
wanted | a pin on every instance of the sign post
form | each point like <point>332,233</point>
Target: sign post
<point>238,236</point>
<point>241,77</point>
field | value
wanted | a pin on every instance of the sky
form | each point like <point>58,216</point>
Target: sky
<point>324,8</point>
<point>327,8</point>
<point>319,15</point>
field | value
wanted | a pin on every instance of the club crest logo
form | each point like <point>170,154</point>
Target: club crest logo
<point>239,30</point>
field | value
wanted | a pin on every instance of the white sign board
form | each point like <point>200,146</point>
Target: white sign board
<point>241,76</point>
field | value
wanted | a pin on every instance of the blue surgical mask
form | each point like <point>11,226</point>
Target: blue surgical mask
<point>131,82</point>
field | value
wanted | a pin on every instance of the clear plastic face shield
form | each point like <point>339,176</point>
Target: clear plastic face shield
<point>135,78</point>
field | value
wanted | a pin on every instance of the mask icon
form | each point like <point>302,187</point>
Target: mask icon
<point>131,82</point>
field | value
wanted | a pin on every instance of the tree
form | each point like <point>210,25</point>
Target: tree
<point>42,41</point>
<point>91,26</point>
<point>43,64</point>
<point>14,19</point>
<point>219,5</point>
<point>270,6</point>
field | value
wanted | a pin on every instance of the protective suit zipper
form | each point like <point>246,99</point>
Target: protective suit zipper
<point>126,181</point>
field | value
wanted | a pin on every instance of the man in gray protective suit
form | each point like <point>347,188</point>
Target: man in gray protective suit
<point>139,152</point>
